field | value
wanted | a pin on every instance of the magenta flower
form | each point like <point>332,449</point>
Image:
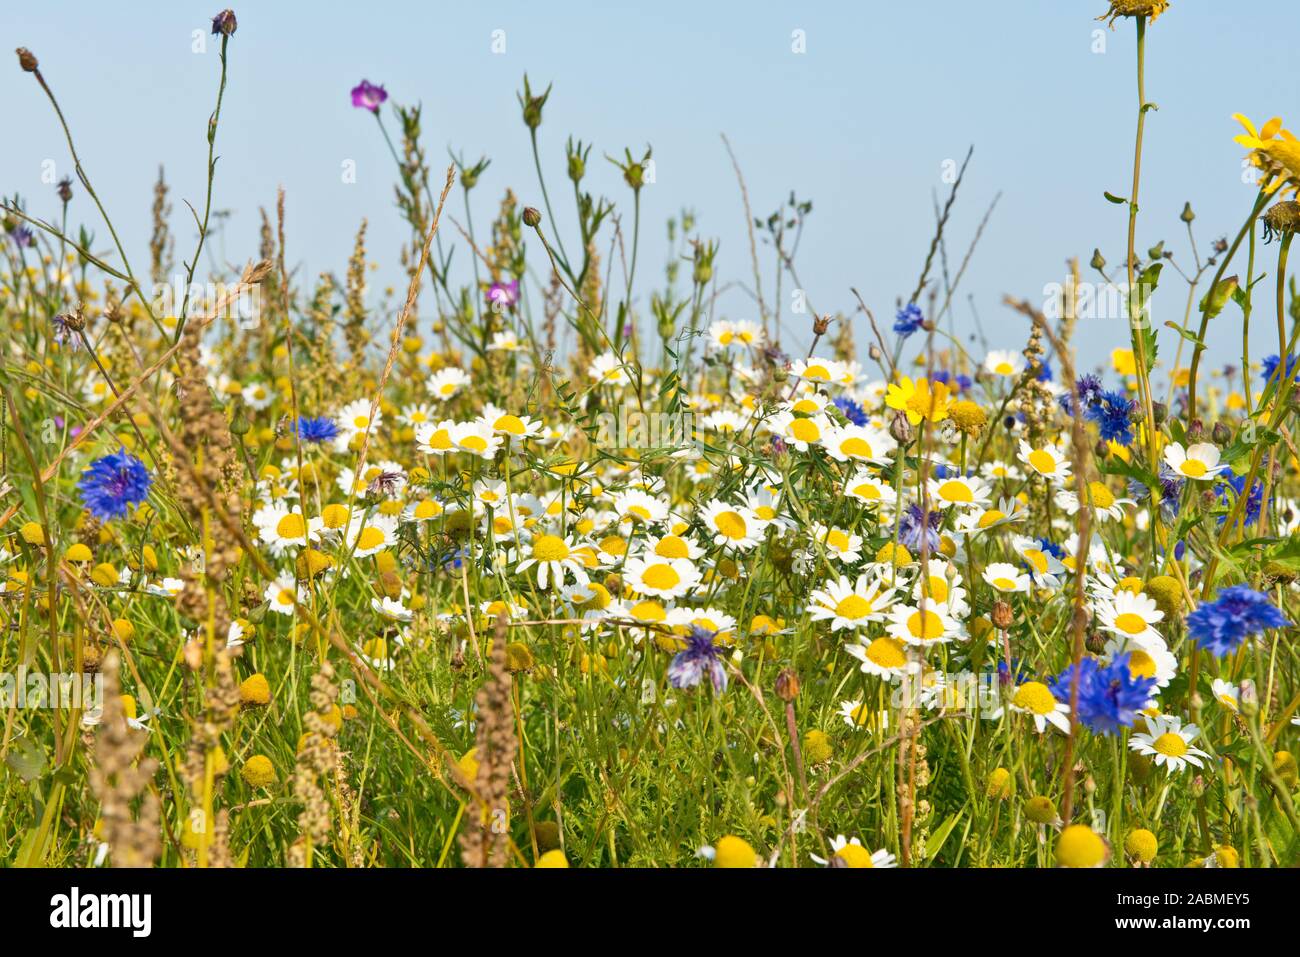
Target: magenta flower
<point>504,294</point>
<point>367,96</point>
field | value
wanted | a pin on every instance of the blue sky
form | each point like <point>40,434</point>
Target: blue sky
<point>860,124</point>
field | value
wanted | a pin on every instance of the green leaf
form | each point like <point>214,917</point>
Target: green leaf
<point>1117,200</point>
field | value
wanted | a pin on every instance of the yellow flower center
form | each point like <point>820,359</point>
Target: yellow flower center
<point>731,524</point>
<point>856,447</point>
<point>991,517</point>
<point>853,607</point>
<point>1130,623</point>
<point>648,611</point>
<point>475,443</point>
<point>854,855</point>
<point>291,526</point>
<point>361,421</point>
<point>370,537</point>
<point>805,430</point>
<point>1170,744</point>
<point>1141,664</point>
<point>1004,584</point>
<point>440,439</point>
<point>1034,697</point>
<point>1193,468</point>
<point>671,546</point>
<point>838,540</point>
<point>661,576</point>
<point>613,545</point>
<point>1043,461</point>
<point>887,652</point>
<point>550,548</point>
<point>817,372</point>
<point>926,625</point>
<point>1101,497</point>
<point>509,423</point>
<point>1037,559</point>
<point>953,491</point>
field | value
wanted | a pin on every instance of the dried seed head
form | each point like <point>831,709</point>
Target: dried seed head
<point>27,60</point>
<point>1001,615</point>
<point>224,24</point>
<point>1281,219</point>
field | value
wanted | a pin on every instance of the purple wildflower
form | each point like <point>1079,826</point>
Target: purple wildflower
<point>688,666</point>
<point>367,96</point>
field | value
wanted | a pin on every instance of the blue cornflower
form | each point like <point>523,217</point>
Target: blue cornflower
<point>1044,373</point>
<point>700,655</point>
<point>1236,614</point>
<point>910,530</point>
<point>22,236</point>
<point>113,484</point>
<point>1230,489</point>
<point>317,430</point>
<point>908,319</point>
<point>1270,366</point>
<point>1051,548</point>
<point>1112,412</point>
<point>852,410</point>
<point>1110,696</point>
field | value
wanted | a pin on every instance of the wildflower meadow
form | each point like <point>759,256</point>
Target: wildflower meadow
<point>552,555</point>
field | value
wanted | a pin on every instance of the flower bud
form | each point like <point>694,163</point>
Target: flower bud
<point>532,217</point>
<point>1159,412</point>
<point>1187,215</point>
<point>1221,434</point>
<point>787,685</point>
<point>27,60</point>
<point>1098,261</point>
<point>1195,431</point>
<point>901,429</point>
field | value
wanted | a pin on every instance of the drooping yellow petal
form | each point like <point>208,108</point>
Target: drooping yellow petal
<point>1270,128</point>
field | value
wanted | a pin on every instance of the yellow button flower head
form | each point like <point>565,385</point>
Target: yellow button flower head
<point>258,771</point>
<point>1274,151</point>
<point>731,851</point>
<point>1080,846</point>
<point>255,691</point>
<point>1141,844</point>
<point>552,859</point>
<point>1040,810</point>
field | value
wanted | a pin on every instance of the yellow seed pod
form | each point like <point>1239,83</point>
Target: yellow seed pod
<point>123,629</point>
